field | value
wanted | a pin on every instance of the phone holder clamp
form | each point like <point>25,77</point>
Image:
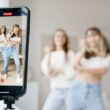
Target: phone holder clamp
<point>9,101</point>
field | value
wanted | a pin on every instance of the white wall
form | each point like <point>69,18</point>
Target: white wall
<point>29,101</point>
<point>9,22</point>
<point>4,3</point>
<point>75,16</point>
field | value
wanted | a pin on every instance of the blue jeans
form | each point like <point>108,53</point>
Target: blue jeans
<point>56,99</point>
<point>84,96</point>
<point>11,52</point>
<point>1,49</point>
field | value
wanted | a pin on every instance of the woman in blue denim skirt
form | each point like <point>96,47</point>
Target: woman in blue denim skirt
<point>91,63</point>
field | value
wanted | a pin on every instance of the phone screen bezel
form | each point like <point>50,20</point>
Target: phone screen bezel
<point>18,91</point>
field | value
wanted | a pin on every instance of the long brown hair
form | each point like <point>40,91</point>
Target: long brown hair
<point>5,32</point>
<point>65,46</point>
<point>89,54</point>
<point>106,45</point>
<point>19,34</point>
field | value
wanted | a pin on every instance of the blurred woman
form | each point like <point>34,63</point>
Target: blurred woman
<point>3,36</point>
<point>57,66</point>
<point>13,39</point>
<point>91,64</point>
<point>3,33</point>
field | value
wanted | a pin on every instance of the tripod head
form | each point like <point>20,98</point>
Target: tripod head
<point>9,101</point>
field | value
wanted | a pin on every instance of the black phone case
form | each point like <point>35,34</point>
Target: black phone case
<point>17,91</point>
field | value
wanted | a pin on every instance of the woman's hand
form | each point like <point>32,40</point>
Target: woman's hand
<point>8,42</point>
<point>47,49</point>
<point>55,72</point>
<point>83,45</point>
<point>78,68</point>
<point>11,33</point>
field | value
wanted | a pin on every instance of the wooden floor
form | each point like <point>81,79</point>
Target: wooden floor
<point>11,80</point>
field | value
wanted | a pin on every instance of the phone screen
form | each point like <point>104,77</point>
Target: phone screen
<point>13,30</point>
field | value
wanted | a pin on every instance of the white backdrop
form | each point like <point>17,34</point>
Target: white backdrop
<point>4,3</point>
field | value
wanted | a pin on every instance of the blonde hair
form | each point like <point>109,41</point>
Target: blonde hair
<point>104,45</point>
<point>65,46</point>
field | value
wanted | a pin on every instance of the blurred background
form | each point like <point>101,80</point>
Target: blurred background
<point>75,16</point>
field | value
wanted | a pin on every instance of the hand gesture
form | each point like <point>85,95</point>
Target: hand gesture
<point>47,49</point>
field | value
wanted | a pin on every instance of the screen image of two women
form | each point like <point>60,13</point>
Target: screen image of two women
<point>10,42</point>
<point>75,78</point>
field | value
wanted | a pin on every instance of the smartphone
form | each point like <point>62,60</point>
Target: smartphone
<point>14,43</point>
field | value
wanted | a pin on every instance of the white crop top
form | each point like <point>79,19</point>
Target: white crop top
<point>96,62</point>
